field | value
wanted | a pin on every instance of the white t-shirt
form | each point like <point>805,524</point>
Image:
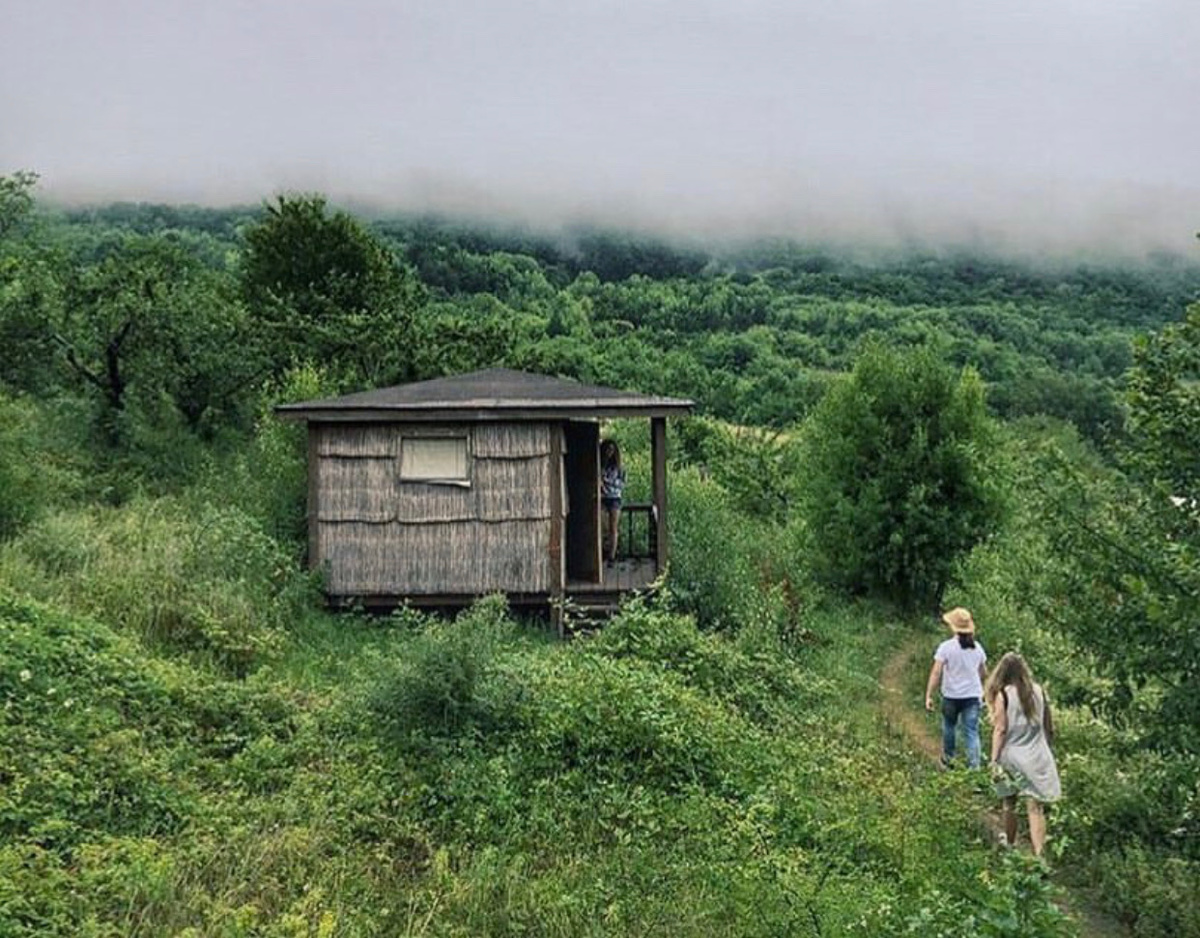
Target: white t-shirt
<point>960,669</point>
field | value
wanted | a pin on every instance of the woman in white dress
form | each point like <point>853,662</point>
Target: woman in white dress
<point>1021,756</point>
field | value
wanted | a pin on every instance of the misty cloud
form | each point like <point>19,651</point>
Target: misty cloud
<point>1027,126</point>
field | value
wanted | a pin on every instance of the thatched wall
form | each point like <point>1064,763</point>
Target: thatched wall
<point>438,559</point>
<point>348,439</point>
<point>378,534</point>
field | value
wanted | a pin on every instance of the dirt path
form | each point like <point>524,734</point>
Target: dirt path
<point>906,719</point>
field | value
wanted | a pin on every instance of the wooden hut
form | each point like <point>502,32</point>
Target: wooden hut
<point>442,491</point>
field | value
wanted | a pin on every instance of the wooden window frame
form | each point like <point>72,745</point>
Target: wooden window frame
<point>463,481</point>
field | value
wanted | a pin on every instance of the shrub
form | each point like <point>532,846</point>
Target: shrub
<point>100,728</point>
<point>33,478</point>
<point>898,484</point>
<point>122,807</point>
<point>269,479</point>
<point>756,680</point>
<point>438,688</point>
<point>1018,904</point>
<point>600,718</point>
<point>758,468</point>
<point>1155,893</point>
<point>712,573</point>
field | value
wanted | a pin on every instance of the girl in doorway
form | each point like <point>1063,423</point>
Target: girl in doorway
<point>612,490</point>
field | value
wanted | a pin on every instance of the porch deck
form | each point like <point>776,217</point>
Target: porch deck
<point>620,576</point>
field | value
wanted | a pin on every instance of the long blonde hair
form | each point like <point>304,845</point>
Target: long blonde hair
<point>1013,670</point>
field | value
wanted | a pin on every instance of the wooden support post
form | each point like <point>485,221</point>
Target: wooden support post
<point>556,559</point>
<point>312,504</point>
<point>658,454</point>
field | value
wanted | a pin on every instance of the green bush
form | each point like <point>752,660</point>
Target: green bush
<point>1153,892</point>
<point>127,805</point>
<point>439,687</point>
<point>74,760</point>
<point>1018,904</point>
<point>93,730</point>
<point>34,478</point>
<point>154,451</point>
<point>712,575</point>
<point>602,718</point>
<point>758,468</point>
<point>758,680</point>
<point>899,478</point>
<point>268,480</point>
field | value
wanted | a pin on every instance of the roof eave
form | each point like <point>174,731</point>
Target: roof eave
<point>472,414</point>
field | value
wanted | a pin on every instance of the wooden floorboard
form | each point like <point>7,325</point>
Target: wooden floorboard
<point>621,576</point>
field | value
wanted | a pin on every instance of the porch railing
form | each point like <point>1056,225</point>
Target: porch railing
<point>637,538</point>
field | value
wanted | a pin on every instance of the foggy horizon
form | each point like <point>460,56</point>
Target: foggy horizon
<point>1026,128</point>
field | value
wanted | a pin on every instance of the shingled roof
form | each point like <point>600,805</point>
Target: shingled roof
<point>494,394</point>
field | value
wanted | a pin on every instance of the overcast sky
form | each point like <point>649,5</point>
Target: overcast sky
<point>1050,122</point>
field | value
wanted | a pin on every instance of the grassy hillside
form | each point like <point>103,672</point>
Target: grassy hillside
<point>339,775</point>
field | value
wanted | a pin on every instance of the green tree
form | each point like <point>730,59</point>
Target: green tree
<point>1164,407</point>
<point>16,200</point>
<point>1126,576</point>
<point>31,284</point>
<point>322,287</point>
<point>150,321</point>
<point>899,482</point>
<point>149,316</point>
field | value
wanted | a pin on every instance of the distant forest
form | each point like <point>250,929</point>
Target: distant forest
<point>751,332</point>
<point>153,305</point>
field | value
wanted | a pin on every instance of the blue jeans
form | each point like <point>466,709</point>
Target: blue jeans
<point>966,708</point>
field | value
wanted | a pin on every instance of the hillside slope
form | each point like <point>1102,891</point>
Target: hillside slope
<point>417,777</point>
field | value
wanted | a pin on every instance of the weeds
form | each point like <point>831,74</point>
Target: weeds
<point>208,583</point>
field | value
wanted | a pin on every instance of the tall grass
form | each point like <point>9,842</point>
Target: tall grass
<point>203,580</point>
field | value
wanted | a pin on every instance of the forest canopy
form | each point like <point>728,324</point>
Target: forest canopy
<point>752,332</point>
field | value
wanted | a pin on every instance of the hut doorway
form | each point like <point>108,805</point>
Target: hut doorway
<point>581,470</point>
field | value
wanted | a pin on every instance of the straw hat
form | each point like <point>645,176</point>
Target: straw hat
<point>960,621</point>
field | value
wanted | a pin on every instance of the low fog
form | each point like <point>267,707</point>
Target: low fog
<point>1027,127</point>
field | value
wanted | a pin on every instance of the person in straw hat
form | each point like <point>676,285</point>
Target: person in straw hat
<point>959,666</point>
